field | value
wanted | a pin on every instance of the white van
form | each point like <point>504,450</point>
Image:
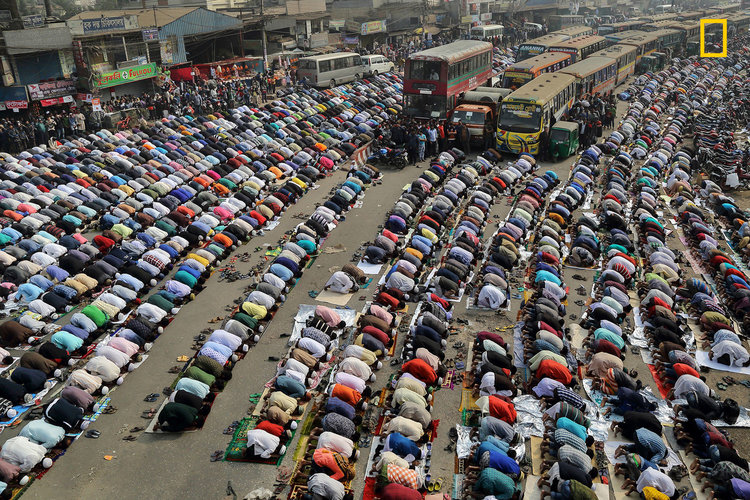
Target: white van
<point>374,64</point>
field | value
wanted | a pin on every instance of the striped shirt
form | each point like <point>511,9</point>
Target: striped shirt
<point>568,396</point>
<point>565,437</point>
<point>650,445</point>
<point>574,457</point>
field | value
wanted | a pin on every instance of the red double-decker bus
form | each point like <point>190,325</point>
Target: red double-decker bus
<point>435,77</point>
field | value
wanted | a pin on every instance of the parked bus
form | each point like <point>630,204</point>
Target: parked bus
<point>607,29</point>
<point>487,31</point>
<point>536,46</point>
<point>624,55</point>
<point>528,111</point>
<point>574,31</point>
<point>645,45</point>
<point>691,15</point>
<point>329,70</point>
<point>670,40</point>
<point>594,75</point>
<point>581,47</point>
<point>560,22</point>
<point>623,35</point>
<point>669,16</point>
<point>433,78</point>
<point>523,72</point>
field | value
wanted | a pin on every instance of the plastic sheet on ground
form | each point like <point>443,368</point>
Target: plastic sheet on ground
<point>368,268</point>
<point>599,426</point>
<point>703,360</point>
<point>742,421</point>
<point>518,355</point>
<point>463,443</point>
<point>529,416</point>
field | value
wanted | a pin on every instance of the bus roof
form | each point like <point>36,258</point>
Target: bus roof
<point>614,51</point>
<point>454,51</point>
<point>623,35</point>
<point>332,55</point>
<point>624,24</point>
<point>566,16</point>
<point>658,25</point>
<point>581,41</point>
<point>574,31</point>
<point>641,39</point>
<point>489,26</point>
<point>546,39</point>
<point>543,88</point>
<point>541,61</point>
<point>684,25</point>
<point>587,66</point>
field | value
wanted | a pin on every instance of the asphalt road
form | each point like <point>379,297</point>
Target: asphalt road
<point>177,466</point>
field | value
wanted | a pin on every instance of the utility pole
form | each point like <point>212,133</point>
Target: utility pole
<point>263,36</point>
<point>242,30</point>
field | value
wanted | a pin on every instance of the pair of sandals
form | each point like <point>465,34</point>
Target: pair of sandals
<point>434,486</point>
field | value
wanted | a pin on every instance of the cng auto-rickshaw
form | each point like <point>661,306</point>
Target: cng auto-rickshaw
<point>646,64</point>
<point>662,60</point>
<point>563,139</point>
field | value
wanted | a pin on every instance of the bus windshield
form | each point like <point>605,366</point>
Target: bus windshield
<point>425,106</point>
<point>519,117</point>
<point>526,51</point>
<point>424,70</point>
<point>515,79</point>
<point>470,117</point>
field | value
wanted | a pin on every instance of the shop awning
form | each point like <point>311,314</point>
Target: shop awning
<point>432,30</point>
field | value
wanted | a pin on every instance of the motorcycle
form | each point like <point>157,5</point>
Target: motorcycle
<point>388,155</point>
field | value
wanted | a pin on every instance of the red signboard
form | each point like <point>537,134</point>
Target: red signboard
<point>16,104</point>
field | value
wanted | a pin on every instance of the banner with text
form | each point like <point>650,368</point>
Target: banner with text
<point>127,75</point>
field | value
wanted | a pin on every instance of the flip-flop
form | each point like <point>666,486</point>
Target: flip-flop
<point>130,438</point>
<point>137,429</point>
<point>110,410</point>
<point>437,485</point>
<point>151,397</point>
<point>217,455</point>
<point>93,434</point>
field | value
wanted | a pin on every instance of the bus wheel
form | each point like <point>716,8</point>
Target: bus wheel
<point>356,76</point>
<point>333,83</point>
<point>375,73</point>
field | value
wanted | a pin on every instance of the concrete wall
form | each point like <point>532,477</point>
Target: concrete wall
<point>38,39</point>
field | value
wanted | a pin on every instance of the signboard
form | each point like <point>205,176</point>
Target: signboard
<point>78,55</point>
<point>84,97</point>
<point>96,104</point>
<point>33,21</point>
<point>373,27</point>
<point>487,16</point>
<point>150,34</point>
<point>16,104</point>
<point>337,24</point>
<point>166,51</point>
<point>466,20</point>
<point>103,24</point>
<point>48,90</point>
<point>127,75</point>
<point>350,40</point>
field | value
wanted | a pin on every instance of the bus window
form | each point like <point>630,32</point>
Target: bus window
<point>425,70</point>
<point>425,106</point>
<point>324,66</point>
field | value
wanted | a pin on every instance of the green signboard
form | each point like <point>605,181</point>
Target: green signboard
<point>126,75</point>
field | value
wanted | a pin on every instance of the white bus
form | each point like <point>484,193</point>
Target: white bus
<point>487,31</point>
<point>329,70</point>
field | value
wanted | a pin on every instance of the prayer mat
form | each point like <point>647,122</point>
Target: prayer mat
<point>236,450</point>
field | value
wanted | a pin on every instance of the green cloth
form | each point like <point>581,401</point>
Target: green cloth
<point>176,417</point>
<point>197,374</point>
<point>186,278</point>
<point>167,228</point>
<point>209,365</point>
<point>161,303</point>
<point>494,482</point>
<point>246,320</point>
<point>96,315</point>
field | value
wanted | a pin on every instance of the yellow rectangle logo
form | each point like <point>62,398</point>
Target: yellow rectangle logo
<point>724,42</point>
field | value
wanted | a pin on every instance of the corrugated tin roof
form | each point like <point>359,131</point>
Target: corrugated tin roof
<point>453,51</point>
<point>164,15</point>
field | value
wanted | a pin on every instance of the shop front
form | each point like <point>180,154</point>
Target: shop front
<point>134,80</point>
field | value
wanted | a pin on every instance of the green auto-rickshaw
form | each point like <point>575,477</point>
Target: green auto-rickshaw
<point>563,139</point>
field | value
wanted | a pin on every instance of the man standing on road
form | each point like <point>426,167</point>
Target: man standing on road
<point>432,138</point>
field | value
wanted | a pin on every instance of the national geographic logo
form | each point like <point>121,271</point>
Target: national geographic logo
<point>724,43</point>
